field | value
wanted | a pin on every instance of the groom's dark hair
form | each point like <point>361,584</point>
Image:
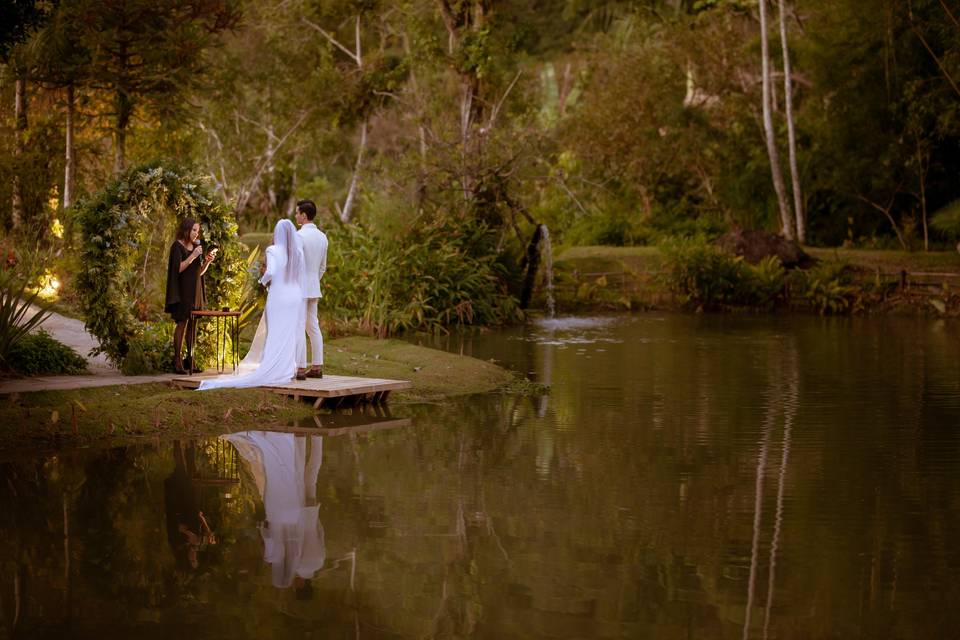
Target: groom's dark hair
<point>307,208</point>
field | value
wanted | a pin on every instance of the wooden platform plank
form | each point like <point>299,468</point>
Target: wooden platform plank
<point>396,423</point>
<point>329,386</point>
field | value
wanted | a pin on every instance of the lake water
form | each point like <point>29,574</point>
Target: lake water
<point>687,477</point>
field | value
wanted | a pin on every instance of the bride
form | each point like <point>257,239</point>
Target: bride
<point>284,314</point>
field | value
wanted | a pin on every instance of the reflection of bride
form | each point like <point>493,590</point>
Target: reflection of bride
<point>286,477</point>
<point>276,361</point>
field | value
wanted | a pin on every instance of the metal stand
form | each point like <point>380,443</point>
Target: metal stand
<point>231,323</point>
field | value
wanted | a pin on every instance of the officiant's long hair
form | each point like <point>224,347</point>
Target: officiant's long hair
<point>285,238</point>
<point>183,231</point>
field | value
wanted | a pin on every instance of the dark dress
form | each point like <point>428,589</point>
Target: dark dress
<point>184,289</point>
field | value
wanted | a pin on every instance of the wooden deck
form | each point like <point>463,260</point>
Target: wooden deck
<point>328,391</point>
<point>339,425</point>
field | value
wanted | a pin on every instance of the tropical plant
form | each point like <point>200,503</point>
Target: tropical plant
<point>20,313</point>
<point>947,220</point>
<point>702,274</point>
<point>827,288</point>
<point>442,276</point>
<point>766,279</point>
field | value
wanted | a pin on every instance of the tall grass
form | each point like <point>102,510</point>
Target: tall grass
<point>442,275</point>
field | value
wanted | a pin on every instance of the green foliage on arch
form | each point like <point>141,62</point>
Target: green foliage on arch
<point>126,231</point>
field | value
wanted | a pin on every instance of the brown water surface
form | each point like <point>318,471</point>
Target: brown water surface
<point>687,477</point>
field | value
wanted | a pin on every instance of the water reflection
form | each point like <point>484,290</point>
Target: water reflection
<point>707,478</point>
<point>782,404</point>
<point>188,529</point>
<point>284,469</point>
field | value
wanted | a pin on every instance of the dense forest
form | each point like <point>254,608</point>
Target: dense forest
<point>610,121</point>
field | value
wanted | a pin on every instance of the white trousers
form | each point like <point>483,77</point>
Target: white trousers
<point>316,338</point>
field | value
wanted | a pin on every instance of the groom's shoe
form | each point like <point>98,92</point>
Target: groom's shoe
<point>316,371</point>
<point>301,374</point>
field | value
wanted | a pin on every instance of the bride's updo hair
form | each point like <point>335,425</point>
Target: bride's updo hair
<point>285,238</point>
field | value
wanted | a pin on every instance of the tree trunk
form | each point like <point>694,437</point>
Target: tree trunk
<point>68,156</point>
<point>786,217</point>
<point>270,206</point>
<point>532,263</point>
<point>19,132</point>
<point>354,182</point>
<point>798,210</point>
<point>124,109</point>
<point>922,169</point>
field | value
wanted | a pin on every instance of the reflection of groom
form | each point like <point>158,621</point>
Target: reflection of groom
<point>315,264</point>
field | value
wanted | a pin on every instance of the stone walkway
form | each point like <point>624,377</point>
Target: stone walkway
<point>72,333</point>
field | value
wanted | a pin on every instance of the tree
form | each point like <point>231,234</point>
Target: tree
<point>19,20</point>
<point>787,223</point>
<point>798,210</point>
<point>63,63</point>
<point>148,53</point>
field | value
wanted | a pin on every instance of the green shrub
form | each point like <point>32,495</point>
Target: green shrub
<point>609,229</point>
<point>765,282</point>
<point>707,276</point>
<point>947,220</point>
<point>702,274</point>
<point>444,273</point>
<point>39,354</point>
<point>151,350</point>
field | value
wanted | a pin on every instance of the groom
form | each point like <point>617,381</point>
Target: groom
<point>315,264</point>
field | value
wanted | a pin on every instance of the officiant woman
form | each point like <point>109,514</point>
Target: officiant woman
<point>185,271</point>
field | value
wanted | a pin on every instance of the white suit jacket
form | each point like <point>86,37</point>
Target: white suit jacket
<point>314,259</point>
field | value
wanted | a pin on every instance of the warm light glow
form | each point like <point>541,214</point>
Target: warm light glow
<point>56,228</point>
<point>53,201</point>
<point>49,286</point>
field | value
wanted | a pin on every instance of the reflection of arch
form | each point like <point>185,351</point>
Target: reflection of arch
<point>191,531</point>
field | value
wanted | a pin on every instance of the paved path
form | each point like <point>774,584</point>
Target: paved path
<point>71,332</point>
<point>66,383</point>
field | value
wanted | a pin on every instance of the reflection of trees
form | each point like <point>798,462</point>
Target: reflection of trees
<point>641,520</point>
<point>86,530</point>
<point>782,397</point>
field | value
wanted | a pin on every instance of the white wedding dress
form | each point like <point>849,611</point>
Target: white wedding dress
<point>276,362</point>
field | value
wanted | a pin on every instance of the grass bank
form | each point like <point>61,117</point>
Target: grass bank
<point>127,413</point>
<point>597,277</point>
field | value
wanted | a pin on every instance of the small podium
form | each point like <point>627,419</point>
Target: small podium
<point>230,321</point>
